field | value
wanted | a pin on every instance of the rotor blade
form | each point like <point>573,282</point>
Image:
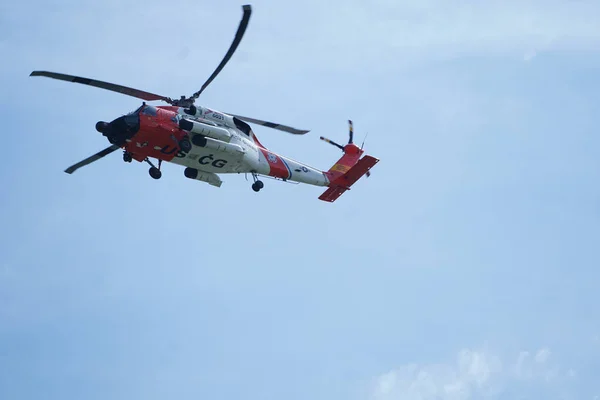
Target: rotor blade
<point>103,85</point>
<point>273,125</point>
<point>91,159</point>
<point>236,41</point>
<point>332,142</point>
<point>351,132</point>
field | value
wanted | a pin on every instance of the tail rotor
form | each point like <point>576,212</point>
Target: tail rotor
<point>350,137</point>
<point>351,149</point>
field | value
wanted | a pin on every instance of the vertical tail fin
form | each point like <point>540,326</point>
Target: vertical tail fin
<point>351,155</point>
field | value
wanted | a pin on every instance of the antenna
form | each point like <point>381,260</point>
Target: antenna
<point>364,140</point>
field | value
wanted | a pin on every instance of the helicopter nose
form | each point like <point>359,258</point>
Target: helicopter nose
<point>101,126</point>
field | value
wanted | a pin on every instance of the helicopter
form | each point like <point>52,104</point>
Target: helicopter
<point>209,142</point>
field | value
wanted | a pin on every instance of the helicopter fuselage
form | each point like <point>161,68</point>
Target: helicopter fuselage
<point>225,146</point>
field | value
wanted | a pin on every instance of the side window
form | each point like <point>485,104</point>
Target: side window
<point>242,126</point>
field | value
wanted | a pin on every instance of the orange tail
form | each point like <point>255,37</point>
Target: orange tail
<point>351,156</point>
<point>348,169</point>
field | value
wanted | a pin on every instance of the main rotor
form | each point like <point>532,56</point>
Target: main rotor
<point>186,102</point>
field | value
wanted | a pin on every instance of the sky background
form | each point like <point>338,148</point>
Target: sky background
<point>465,268</point>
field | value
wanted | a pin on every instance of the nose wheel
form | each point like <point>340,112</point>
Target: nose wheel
<point>154,171</point>
<point>257,185</point>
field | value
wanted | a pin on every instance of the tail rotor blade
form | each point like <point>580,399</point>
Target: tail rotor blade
<point>351,132</point>
<point>333,143</point>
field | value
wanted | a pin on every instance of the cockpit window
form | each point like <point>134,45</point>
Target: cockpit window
<point>132,120</point>
<point>149,110</point>
<point>137,110</point>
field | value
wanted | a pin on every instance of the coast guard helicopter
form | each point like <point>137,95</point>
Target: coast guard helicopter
<point>209,142</point>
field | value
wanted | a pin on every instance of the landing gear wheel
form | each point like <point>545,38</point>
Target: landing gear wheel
<point>185,145</point>
<point>127,157</point>
<point>256,186</point>
<point>155,173</point>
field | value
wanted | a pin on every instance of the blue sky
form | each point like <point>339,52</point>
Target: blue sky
<point>465,268</point>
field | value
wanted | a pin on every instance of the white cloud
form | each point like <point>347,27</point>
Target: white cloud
<point>475,374</point>
<point>536,366</point>
<point>542,356</point>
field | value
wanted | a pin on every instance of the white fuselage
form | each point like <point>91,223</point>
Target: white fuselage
<point>241,154</point>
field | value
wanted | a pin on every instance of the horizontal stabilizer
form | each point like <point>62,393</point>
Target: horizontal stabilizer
<point>332,194</point>
<point>343,183</point>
